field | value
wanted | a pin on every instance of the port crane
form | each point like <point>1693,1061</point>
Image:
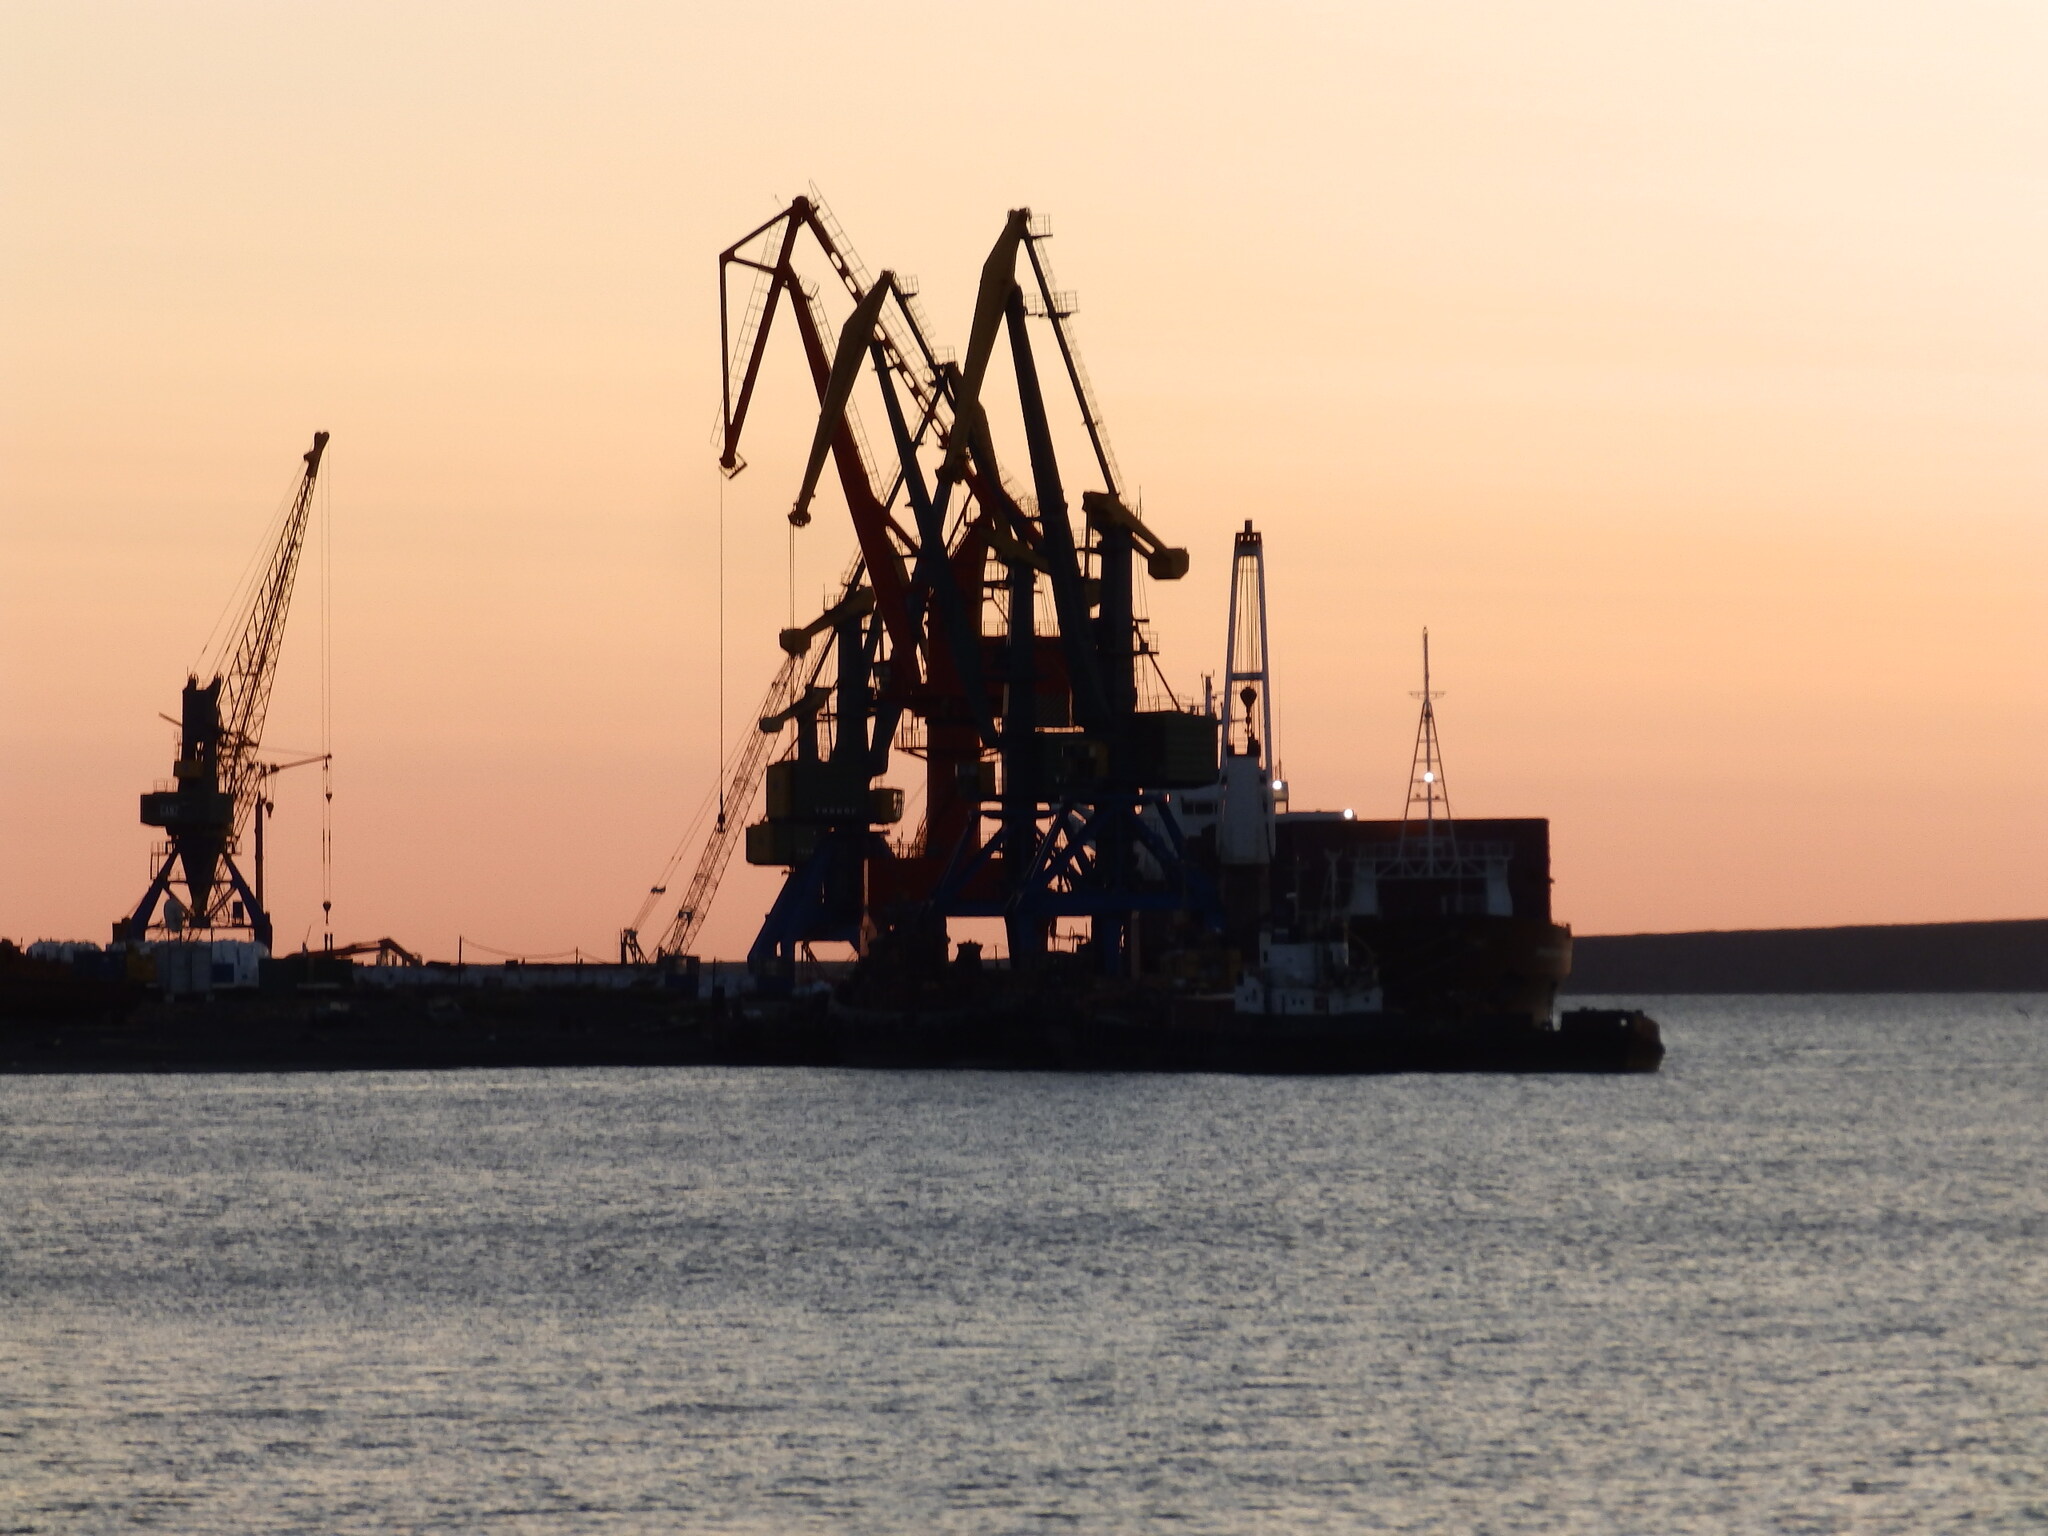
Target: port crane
<point>218,780</point>
<point>935,644</point>
<point>1083,825</point>
<point>889,643</point>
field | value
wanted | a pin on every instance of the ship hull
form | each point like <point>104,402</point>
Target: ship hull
<point>1197,1038</point>
<point>1466,966</point>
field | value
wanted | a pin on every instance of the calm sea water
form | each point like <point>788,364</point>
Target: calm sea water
<point>1798,1282</point>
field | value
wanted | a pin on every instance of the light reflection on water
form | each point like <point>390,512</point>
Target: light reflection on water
<point>1797,1282</point>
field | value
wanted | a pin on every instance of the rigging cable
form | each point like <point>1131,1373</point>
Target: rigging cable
<point>463,943</point>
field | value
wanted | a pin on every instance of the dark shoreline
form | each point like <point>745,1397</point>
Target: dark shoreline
<point>2007,956</point>
<point>369,1031</point>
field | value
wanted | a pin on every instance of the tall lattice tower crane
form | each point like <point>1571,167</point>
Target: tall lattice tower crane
<point>217,778</point>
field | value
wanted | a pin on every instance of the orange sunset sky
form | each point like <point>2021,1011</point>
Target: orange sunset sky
<point>1684,367</point>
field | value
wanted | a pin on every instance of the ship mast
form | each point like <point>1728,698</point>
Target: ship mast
<point>1245,831</point>
<point>1244,655</point>
<point>1429,796</point>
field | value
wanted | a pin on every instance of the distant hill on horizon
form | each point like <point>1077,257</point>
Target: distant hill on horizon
<point>2010,956</point>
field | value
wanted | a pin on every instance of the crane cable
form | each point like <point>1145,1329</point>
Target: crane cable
<point>721,646</point>
<point>327,711</point>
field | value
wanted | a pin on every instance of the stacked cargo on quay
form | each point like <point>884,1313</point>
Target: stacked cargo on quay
<point>976,737</point>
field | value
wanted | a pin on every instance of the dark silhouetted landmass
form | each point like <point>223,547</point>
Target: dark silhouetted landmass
<point>1908,957</point>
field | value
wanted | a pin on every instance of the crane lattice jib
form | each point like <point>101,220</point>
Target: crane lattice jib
<point>903,332</point>
<point>742,780</point>
<point>247,680</point>
<point>742,773</point>
<point>1058,309</point>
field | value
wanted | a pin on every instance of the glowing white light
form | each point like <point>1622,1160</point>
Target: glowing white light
<point>1279,786</point>
<point>1429,778</point>
<point>1350,815</point>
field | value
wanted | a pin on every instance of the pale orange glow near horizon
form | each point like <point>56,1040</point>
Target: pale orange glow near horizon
<point>1683,368</point>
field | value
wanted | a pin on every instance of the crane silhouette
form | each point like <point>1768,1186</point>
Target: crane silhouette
<point>217,780</point>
